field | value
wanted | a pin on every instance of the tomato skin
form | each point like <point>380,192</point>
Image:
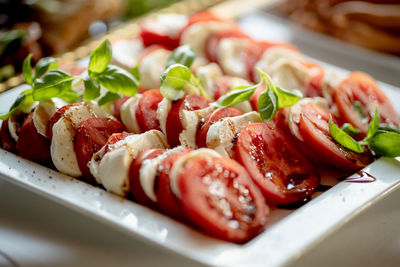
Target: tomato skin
<point>114,138</point>
<point>146,111</point>
<point>218,114</point>
<point>150,38</point>
<point>91,136</point>
<point>203,16</point>
<point>59,113</point>
<point>135,187</point>
<point>116,107</point>
<point>7,142</point>
<point>363,88</point>
<point>167,201</point>
<point>174,125</point>
<point>236,213</point>
<point>283,175</point>
<point>32,145</point>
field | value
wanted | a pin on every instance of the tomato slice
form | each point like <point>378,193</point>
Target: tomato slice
<point>319,144</point>
<point>150,37</point>
<point>7,142</point>
<point>91,136</point>
<point>273,162</point>
<point>167,201</point>
<point>32,145</point>
<point>135,186</point>
<point>203,16</point>
<point>174,125</point>
<point>255,96</point>
<point>116,107</point>
<point>146,111</point>
<point>218,114</point>
<point>59,113</point>
<point>314,85</point>
<point>114,138</point>
<point>360,88</point>
<point>219,197</point>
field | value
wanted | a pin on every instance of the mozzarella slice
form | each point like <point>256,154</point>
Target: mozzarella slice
<point>128,114</point>
<point>197,34</point>
<point>152,66</point>
<point>190,121</point>
<point>162,113</point>
<point>222,134</point>
<point>62,143</point>
<point>148,172</point>
<point>168,24</point>
<point>179,165</point>
<point>231,55</point>
<point>111,169</point>
<point>43,113</point>
<point>15,123</point>
<point>331,81</point>
<point>209,75</point>
<point>126,53</point>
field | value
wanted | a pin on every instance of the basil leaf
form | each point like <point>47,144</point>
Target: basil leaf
<point>343,138</point>
<point>92,89</point>
<point>174,80</point>
<point>387,128</point>
<point>108,97</point>
<point>237,95</point>
<point>374,125</point>
<point>27,69</point>
<point>70,96</point>
<point>287,98</point>
<point>184,55</point>
<point>100,57</point>
<point>45,64</point>
<point>116,79</point>
<point>348,128</point>
<point>267,105</point>
<point>385,144</point>
<point>23,99</point>
<point>53,84</point>
<point>136,73</point>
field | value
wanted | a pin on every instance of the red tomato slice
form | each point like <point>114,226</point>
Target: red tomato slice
<point>203,16</point>
<point>135,186</point>
<point>273,162</point>
<point>32,145</point>
<point>314,84</point>
<point>56,117</point>
<point>151,37</point>
<point>218,114</point>
<point>167,201</point>
<point>146,111</point>
<point>7,142</point>
<point>114,138</point>
<point>255,96</point>
<point>362,88</point>
<point>314,129</point>
<point>91,136</point>
<point>219,197</point>
<point>213,41</point>
<point>116,107</point>
<point>174,125</point>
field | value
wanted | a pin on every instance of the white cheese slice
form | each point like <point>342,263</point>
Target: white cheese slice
<point>152,66</point>
<point>179,165</point>
<point>222,134</point>
<point>126,53</point>
<point>43,113</point>
<point>209,75</point>
<point>162,113</point>
<point>231,55</point>
<point>168,24</point>
<point>62,143</point>
<point>190,122</point>
<point>148,172</point>
<point>128,114</point>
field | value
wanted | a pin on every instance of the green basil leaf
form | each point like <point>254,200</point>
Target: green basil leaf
<point>23,99</point>
<point>100,57</point>
<point>267,105</point>
<point>92,89</point>
<point>383,127</point>
<point>70,96</point>
<point>136,73</point>
<point>174,80</point>
<point>343,138</point>
<point>374,125</point>
<point>53,84</point>
<point>27,69</point>
<point>287,98</point>
<point>184,55</point>
<point>237,95</point>
<point>116,79</point>
<point>45,64</point>
<point>348,128</point>
<point>108,97</point>
<point>385,144</point>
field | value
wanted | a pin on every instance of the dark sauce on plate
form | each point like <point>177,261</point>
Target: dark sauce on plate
<point>363,177</point>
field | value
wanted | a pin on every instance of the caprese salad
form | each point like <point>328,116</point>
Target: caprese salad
<point>196,119</point>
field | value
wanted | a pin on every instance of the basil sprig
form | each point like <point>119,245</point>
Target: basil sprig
<point>272,99</point>
<point>382,140</point>
<point>23,99</point>
<point>100,73</point>
<point>184,55</point>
